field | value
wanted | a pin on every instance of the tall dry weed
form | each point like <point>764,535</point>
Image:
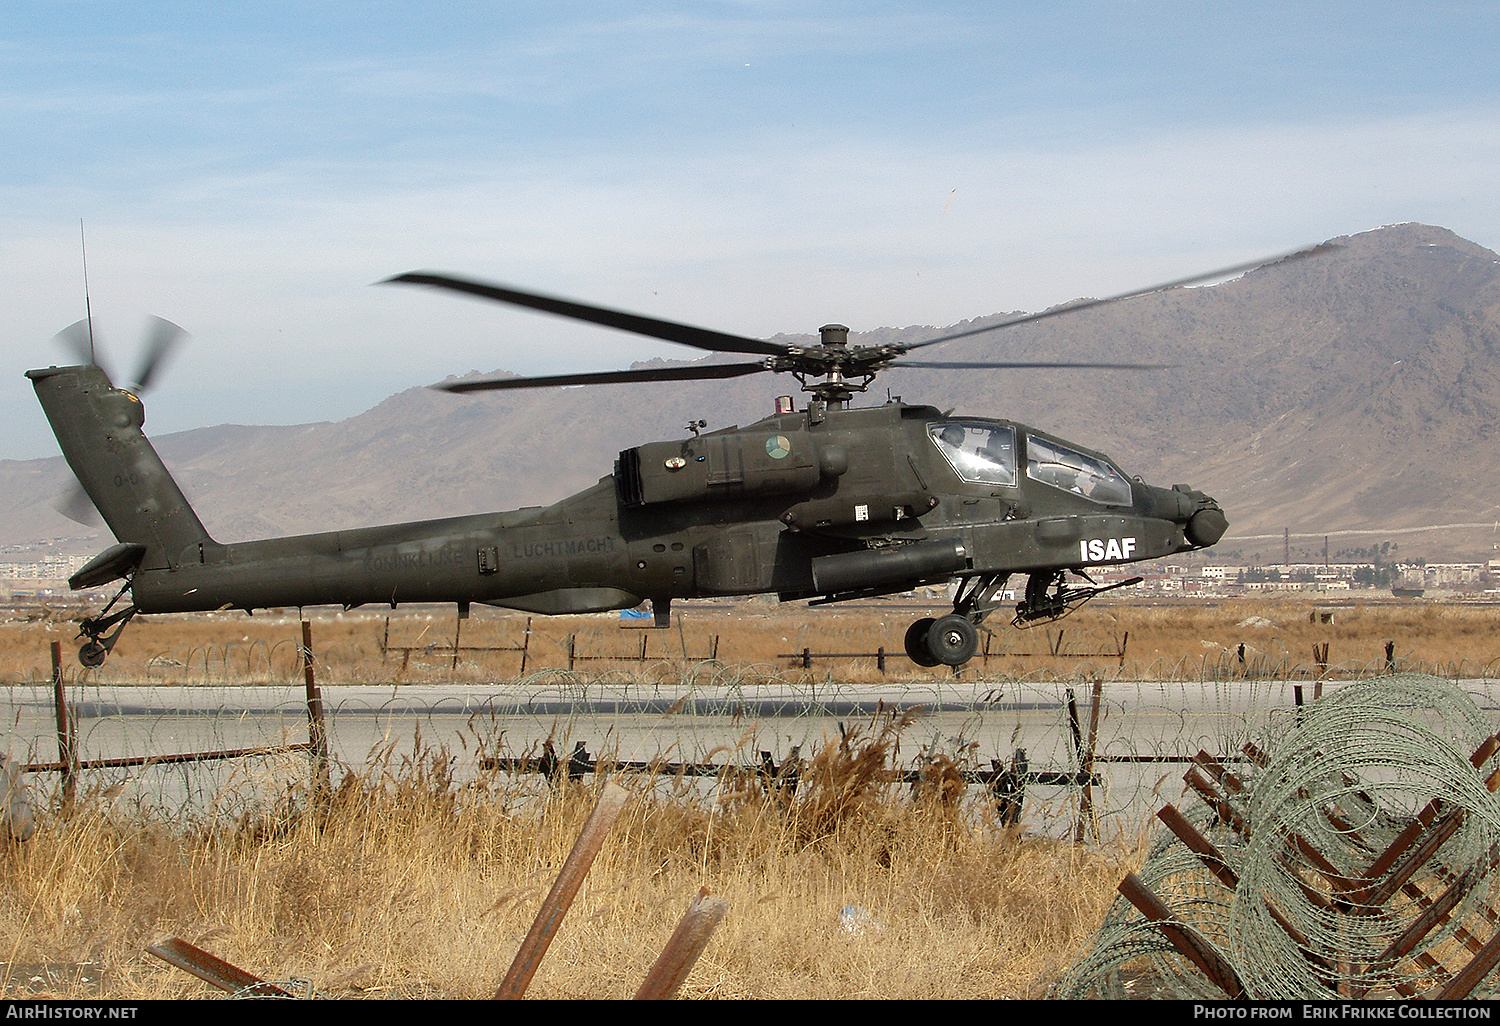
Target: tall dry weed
<point>845,782</point>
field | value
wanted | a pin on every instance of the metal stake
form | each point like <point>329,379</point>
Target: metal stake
<point>686,944</point>
<point>67,750</point>
<point>564,890</point>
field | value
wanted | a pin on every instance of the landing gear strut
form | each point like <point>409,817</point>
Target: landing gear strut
<point>952,640</point>
<point>99,645</point>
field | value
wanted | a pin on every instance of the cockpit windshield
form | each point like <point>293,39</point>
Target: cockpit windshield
<point>1061,467</point>
<point>983,453</point>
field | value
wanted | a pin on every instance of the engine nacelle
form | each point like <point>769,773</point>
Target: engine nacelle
<point>725,465</point>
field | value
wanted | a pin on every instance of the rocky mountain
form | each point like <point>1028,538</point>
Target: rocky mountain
<point>1358,391</point>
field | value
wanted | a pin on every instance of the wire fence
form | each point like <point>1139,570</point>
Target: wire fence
<point>1084,736</point>
<point>515,651</point>
<point>1352,857</point>
<point>1093,753</point>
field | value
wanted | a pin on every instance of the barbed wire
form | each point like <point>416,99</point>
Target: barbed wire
<point>1314,899</point>
<point>259,662</point>
<point>1378,754</point>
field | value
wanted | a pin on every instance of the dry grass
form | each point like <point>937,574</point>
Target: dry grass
<point>753,640</point>
<point>407,884</point>
<point>411,884</point>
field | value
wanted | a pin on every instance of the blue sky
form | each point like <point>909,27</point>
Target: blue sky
<point>756,167</point>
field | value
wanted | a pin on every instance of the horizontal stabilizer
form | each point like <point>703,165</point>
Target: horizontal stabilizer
<point>113,564</point>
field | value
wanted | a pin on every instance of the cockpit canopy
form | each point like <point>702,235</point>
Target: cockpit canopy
<point>984,452</point>
<point>1062,467</point>
<point>979,452</point>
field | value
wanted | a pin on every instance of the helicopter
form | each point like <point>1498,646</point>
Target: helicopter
<point>828,502</point>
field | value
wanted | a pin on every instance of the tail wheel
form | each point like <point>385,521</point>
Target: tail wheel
<point>92,654</point>
<point>916,643</point>
<point>952,640</point>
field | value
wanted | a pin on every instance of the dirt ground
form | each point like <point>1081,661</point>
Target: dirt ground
<point>757,638</point>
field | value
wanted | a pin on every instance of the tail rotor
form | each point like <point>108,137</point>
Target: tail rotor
<point>160,340</point>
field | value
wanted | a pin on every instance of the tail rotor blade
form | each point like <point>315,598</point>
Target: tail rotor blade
<point>76,505</point>
<point>81,343</point>
<point>162,337</point>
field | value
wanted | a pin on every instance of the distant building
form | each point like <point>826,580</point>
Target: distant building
<point>57,568</point>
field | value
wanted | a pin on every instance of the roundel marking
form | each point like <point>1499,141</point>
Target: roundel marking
<point>778,447</point>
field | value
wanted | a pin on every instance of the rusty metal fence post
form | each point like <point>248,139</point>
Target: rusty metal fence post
<point>317,733</point>
<point>525,646</point>
<point>1086,760</point>
<point>686,944</point>
<point>214,970</point>
<point>67,748</point>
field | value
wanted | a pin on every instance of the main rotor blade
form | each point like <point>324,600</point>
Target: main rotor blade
<point>1089,304</point>
<point>1011,365</point>
<point>670,331</point>
<point>162,336</point>
<point>722,370</point>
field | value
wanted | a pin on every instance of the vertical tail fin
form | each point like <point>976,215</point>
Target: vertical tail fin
<point>98,427</point>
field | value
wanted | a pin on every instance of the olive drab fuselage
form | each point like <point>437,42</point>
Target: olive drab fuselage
<point>822,503</point>
<point>733,512</point>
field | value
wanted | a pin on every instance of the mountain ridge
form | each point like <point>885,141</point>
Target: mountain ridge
<point>1354,391</point>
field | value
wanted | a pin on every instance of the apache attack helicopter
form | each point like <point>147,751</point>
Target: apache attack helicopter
<point>827,503</point>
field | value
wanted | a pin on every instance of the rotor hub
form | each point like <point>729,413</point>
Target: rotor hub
<point>836,362</point>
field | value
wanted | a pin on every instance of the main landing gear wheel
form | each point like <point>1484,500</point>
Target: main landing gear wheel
<point>952,640</point>
<point>916,642</point>
<point>948,640</point>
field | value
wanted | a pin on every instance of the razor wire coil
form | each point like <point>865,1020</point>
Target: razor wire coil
<point>1323,904</point>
